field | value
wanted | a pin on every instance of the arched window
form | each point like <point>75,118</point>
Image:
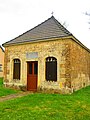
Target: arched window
<point>51,69</point>
<point>16,69</point>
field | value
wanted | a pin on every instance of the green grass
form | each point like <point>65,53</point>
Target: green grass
<point>40,106</point>
<point>5,91</point>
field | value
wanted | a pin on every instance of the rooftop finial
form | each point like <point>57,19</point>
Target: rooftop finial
<point>52,13</point>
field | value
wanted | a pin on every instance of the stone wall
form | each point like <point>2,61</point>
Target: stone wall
<point>80,66</point>
<point>45,49</point>
<point>1,62</point>
<point>72,64</point>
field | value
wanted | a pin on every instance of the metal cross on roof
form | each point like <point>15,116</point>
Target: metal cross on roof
<point>52,13</point>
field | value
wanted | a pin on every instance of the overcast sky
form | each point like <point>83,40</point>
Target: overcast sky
<point>18,16</point>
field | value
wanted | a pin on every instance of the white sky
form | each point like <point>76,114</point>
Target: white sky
<point>18,16</point>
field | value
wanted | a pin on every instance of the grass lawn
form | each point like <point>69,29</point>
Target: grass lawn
<point>40,106</point>
<point>5,91</point>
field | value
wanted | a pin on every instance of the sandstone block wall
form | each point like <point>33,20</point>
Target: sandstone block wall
<point>1,63</point>
<point>80,66</point>
<point>72,64</point>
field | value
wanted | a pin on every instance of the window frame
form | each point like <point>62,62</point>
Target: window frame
<point>16,69</point>
<point>51,69</point>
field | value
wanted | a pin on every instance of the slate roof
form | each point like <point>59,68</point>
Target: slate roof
<point>50,28</point>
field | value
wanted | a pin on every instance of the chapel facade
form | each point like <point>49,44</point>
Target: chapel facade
<point>47,57</point>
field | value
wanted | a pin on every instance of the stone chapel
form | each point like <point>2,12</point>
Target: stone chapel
<point>47,57</point>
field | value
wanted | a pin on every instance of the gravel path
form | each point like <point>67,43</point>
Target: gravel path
<point>12,96</point>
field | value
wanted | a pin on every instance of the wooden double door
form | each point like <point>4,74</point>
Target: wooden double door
<point>32,75</point>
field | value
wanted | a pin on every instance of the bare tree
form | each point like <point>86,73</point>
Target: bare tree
<point>65,24</point>
<point>88,14</point>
